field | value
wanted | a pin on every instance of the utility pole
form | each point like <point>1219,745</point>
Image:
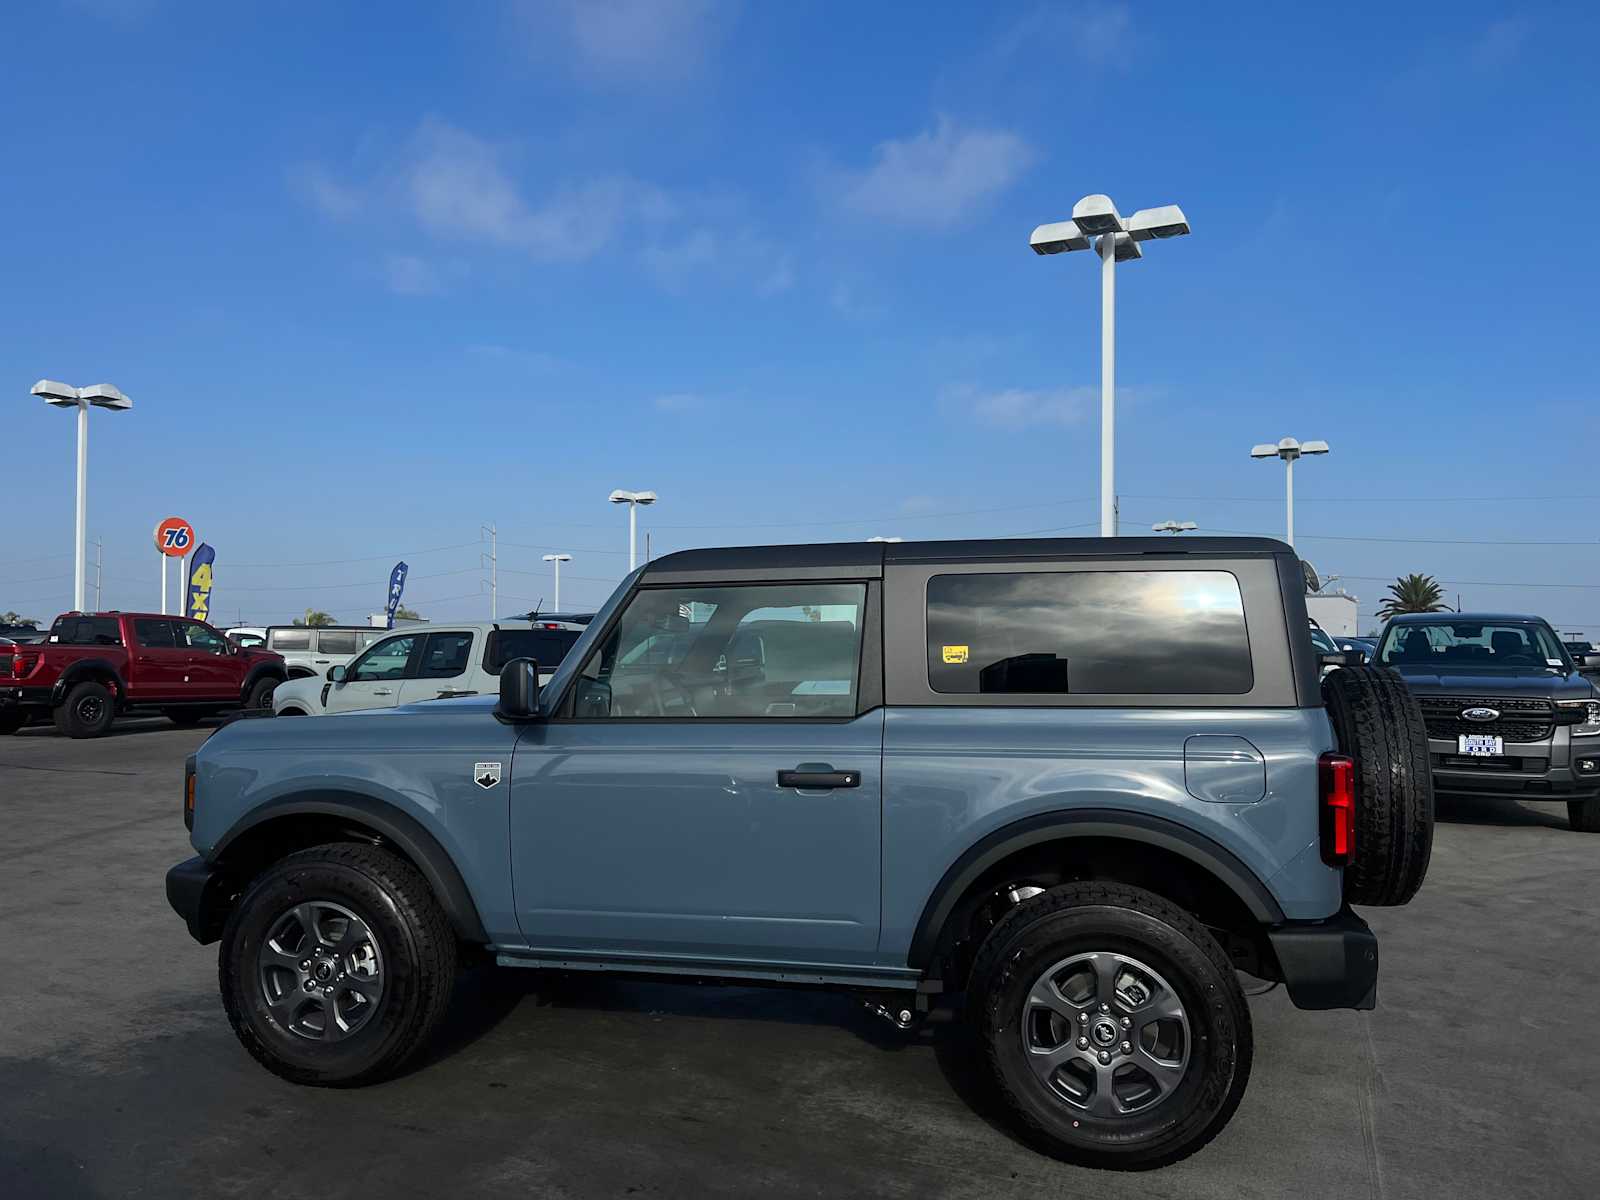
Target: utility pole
<point>98,575</point>
<point>492,561</point>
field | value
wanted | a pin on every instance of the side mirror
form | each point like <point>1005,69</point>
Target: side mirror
<point>337,674</point>
<point>519,689</point>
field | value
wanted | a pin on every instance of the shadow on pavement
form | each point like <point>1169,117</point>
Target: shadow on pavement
<point>1482,810</point>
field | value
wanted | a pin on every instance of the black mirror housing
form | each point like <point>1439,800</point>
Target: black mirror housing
<point>519,690</point>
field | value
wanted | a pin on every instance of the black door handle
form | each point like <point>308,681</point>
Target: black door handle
<point>819,779</point>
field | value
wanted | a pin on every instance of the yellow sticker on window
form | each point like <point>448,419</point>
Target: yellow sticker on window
<point>955,654</point>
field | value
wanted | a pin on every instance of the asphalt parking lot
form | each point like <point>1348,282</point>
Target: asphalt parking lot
<point>119,1076</point>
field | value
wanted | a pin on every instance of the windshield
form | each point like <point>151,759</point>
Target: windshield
<point>1472,646</point>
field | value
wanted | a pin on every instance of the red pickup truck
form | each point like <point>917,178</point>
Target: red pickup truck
<point>95,666</point>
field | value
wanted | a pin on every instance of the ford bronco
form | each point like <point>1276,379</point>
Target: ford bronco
<point>1072,786</point>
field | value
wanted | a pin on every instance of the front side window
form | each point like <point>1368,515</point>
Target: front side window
<point>386,660</point>
<point>445,655</point>
<point>198,637</point>
<point>784,650</point>
<point>1088,632</point>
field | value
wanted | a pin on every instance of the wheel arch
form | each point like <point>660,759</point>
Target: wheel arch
<point>310,818</point>
<point>1132,847</point>
<point>91,670</point>
<point>257,674</point>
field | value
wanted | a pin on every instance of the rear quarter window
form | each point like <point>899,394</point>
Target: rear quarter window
<point>290,639</point>
<point>86,631</point>
<point>1088,632</point>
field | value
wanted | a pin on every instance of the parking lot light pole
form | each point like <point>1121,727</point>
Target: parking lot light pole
<point>633,500</point>
<point>558,559</point>
<point>1174,527</point>
<point>1119,239</point>
<point>101,395</point>
<point>1288,449</point>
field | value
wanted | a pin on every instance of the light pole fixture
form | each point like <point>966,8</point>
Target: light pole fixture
<point>1119,240</point>
<point>886,539</point>
<point>633,500</point>
<point>61,395</point>
<point>558,559</point>
<point>1174,527</point>
<point>1289,449</point>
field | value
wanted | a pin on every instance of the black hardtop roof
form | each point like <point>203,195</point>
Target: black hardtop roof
<point>869,558</point>
<point>1468,618</point>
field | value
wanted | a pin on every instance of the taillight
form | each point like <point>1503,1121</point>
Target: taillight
<point>1338,780</point>
<point>188,794</point>
<point>21,663</point>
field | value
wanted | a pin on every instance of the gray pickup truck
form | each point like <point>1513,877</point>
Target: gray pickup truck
<point>1072,786</point>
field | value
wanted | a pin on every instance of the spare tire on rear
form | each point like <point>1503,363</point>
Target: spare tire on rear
<point>1379,724</point>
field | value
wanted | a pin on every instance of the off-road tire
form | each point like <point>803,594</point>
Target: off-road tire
<point>10,722</point>
<point>414,939</point>
<point>1095,916</point>
<point>1379,724</point>
<point>260,694</point>
<point>185,717</point>
<point>87,711</point>
<point>1584,815</point>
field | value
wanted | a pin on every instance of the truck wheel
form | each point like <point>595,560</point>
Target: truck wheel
<point>87,711</point>
<point>1379,724</point>
<point>260,695</point>
<point>10,722</point>
<point>336,966</point>
<point>1114,1025</point>
<point>1584,815</point>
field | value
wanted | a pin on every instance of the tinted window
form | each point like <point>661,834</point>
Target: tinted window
<point>547,647</point>
<point>789,650</point>
<point>1109,632</point>
<point>289,639</point>
<point>248,640</point>
<point>445,655</point>
<point>86,631</point>
<point>157,635</point>
<point>386,660</point>
<point>199,637</point>
<point>336,641</point>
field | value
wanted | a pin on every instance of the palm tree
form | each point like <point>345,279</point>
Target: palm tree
<point>407,614</point>
<point>313,618</point>
<point>1413,594</point>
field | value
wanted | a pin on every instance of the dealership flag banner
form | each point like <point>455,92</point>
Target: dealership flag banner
<point>397,584</point>
<point>199,590</point>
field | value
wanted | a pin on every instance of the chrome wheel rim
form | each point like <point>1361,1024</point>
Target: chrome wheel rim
<point>1105,1034</point>
<point>320,971</point>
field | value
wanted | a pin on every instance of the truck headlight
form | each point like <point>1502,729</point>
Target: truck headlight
<point>1589,724</point>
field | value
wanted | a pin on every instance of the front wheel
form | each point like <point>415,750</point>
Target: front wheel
<point>336,966</point>
<point>260,694</point>
<point>1114,1025</point>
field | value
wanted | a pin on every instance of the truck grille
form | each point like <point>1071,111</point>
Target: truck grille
<point>1521,719</point>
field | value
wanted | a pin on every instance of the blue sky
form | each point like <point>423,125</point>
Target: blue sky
<point>373,285</point>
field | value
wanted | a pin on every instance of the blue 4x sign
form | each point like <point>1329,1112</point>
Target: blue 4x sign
<point>198,604</point>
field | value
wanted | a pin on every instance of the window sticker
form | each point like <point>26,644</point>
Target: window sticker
<point>955,654</point>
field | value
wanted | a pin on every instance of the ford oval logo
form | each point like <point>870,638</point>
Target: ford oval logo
<point>1480,714</point>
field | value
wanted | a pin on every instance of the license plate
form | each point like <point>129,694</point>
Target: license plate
<point>1480,745</point>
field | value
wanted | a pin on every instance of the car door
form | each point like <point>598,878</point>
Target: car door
<point>211,671</point>
<point>159,660</point>
<point>701,795</point>
<point>374,679</point>
<point>444,668</point>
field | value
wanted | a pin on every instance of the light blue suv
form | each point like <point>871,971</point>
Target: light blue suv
<point>1071,785</point>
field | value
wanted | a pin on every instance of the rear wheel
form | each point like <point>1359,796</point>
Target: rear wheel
<point>336,966</point>
<point>260,694</point>
<point>1584,815</point>
<point>1114,1025</point>
<point>87,711</point>
<point>1379,724</point>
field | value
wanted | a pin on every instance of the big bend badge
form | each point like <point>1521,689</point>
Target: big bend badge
<point>486,775</point>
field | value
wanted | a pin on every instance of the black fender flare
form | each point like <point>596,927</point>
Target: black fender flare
<point>1085,822</point>
<point>90,668</point>
<point>257,673</point>
<point>400,828</point>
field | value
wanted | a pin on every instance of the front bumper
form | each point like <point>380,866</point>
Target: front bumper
<point>1559,768</point>
<point>1328,964</point>
<point>202,896</point>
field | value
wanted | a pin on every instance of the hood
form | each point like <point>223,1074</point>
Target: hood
<point>1532,683</point>
<point>252,655</point>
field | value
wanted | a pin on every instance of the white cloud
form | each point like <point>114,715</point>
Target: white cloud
<point>408,275</point>
<point>936,177</point>
<point>630,42</point>
<point>1017,409</point>
<point>329,196</point>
